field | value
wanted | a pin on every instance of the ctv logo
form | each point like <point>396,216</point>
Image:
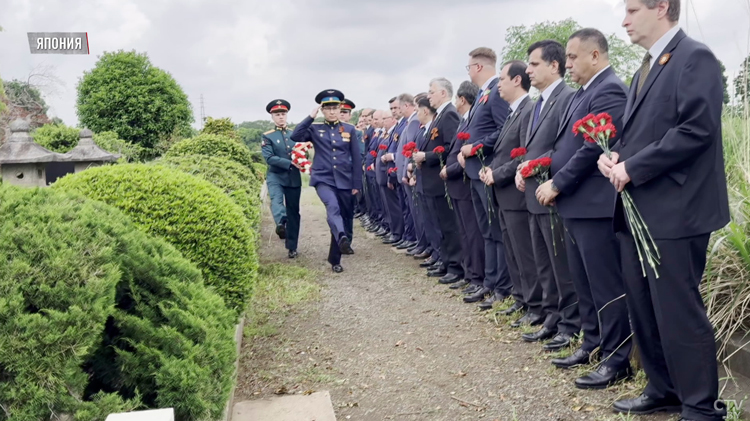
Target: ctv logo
<point>58,42</point>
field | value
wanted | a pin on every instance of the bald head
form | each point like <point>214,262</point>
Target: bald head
<point>388,120</point>
<point>377,119</point>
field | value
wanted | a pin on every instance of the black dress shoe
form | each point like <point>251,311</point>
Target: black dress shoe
<point>398,243</point>
<point>487,304</point>
<point>512,309</point>
<point>450,278</point>
<point>391,240</point>
<point>437,266</point>
<point>345,245</point>
<point>437,273</point>
<point>427,263</point>
<point>460,284</point>
<point>281,231</point>
<point>477,296</point>
<point>337,268</point>
<point>560,341</point>
<point>405,245</point>
<point>292,254</point>
<point>603,377</point>
<point>541,335</point>
<point>414,251</point>
<point>643,405</point>
<point>524,320</point>
<point>382,232</point>
<point>422,255</point>
<point>471,289</point>
<point>579,357</point>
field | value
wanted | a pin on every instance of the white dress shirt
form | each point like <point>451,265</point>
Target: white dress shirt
<point>548,92</point>
<point>516,103</point>
<point>659,46</point>
<point>586,86</point>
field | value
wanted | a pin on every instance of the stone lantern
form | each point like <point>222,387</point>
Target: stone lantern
<point>88,154</point>
<point>23,161</point>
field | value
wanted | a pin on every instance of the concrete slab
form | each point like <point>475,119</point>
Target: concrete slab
<point>314,407</point>
<point>166,414</point>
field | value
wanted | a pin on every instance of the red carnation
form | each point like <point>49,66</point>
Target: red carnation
<point>603,116</point>
<point>439,150</point>
<point>588,138</point>
<point>463,136</point>
<point>528,170</point>
<point>577,127</point>
<point>544,162</point>
<point>611,129</point>
<point>517,153</point>
<point>382,147</point>
<point>590,120</point>
<point>373,154</point>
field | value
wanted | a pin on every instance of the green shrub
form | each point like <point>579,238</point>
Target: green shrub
<point>260,171</point>
<point>220,126</point>
<point>57,137</point>
<point>92,309</point>
<point>234,179</point>
<point>109,141</point>
<point>190,213</point>
<point>212,145</point>
<point>257,157</point>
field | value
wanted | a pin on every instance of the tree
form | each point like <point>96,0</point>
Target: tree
<point>126,94</point>
<point>742,81</point>
<point>355,117</point>
<point>221,126</point>
<point>724,80</point>
<point>625,58</point>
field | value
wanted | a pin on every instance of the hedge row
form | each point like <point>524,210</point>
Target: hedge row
<point>98,317</point>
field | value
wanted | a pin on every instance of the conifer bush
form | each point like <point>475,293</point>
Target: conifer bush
<point>98,317</point>
<point>192,214</point>
<point>213,145</point>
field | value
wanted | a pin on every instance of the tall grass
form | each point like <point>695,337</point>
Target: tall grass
<point>726,287</point>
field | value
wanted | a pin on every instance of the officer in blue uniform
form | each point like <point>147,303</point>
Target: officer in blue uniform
<point>336,172</point>
<point>283,176</point>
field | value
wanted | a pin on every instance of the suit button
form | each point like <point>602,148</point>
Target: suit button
<point>334,157</point>
<point>334,166</point>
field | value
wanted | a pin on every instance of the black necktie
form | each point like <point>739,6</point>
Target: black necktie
<point>537,111</point>
<point>645,68</point>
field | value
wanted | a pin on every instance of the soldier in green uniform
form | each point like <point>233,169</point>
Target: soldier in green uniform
<point>283,176</point>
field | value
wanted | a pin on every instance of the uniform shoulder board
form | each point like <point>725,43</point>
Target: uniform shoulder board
<point>270,131</point>
<point>317,122</point>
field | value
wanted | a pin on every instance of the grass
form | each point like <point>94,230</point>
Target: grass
<point>279,288</point>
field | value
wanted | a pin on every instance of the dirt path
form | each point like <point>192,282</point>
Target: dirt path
<point>390,343</point>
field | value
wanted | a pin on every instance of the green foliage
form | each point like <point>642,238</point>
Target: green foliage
<point>109,141</point>
<point>250,132</point>
<point>3,98</point>
<point>57,137</point>
<point>724,81</point>
<point>625,58</point>
<point>742,81</point>
<point>234,179</point>
<point>126,94</point>
<point>191,214</point>
<point>221,126</point>
<point>260,170</point>
<point>26,96</point>
<point>212,145</point>
<point>92,309</point>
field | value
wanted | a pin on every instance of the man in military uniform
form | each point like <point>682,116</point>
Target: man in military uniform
<point>283,176</point>
<point>336,170</point>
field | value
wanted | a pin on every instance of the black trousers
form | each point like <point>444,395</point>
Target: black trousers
<point>473,250</point>
<point>674,335</point>
<point>450,239</point>
<point>559,301</point>
<point>594,260</point>
<point>519,252</point>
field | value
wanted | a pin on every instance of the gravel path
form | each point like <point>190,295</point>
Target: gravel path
<point>391,344</point>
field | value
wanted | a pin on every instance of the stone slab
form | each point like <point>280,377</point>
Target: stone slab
<point>314,407</point>
<point>149,415</point>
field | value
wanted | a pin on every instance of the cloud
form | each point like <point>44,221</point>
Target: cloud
<point>240,55</point>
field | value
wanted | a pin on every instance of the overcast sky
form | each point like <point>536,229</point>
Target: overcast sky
<point>241,54</point>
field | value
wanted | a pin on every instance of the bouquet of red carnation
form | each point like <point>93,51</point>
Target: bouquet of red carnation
<point>371,167</point>
<point>439,151</point>
<point>600,130</point>
<point>382,147</point>
<point>409,150</point>
<point>478,151</point>
<point>518,153</point>
<point>299,157</point>
<point>373,154</point>
<point>539,169</point>
<point>463,136</point>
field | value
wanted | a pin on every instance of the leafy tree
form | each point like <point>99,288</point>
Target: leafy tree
<point>126,94</point>
<point>57,137</point>
<point>625,58</point>
<point>25,101</point>
<point>250,132</point>
<point>221,126</point>
<point>724,79</point>
<point>742,81</point>
<point>355,117</point>
<point>2,96</point>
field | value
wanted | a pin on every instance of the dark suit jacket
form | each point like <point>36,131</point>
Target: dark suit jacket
<point>373,143</point>
<point>503,167</point>
<point>446,124</point>
<point>410,134</point>
<point>396,139</point>
<point>584,191</point>
<point>671,144</point>
<point>381,169</point>
<point>485,123</point>
<point>539,141</point>
<point>457,187</point>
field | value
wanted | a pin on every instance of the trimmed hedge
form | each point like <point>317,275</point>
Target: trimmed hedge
<point>196,217</point>
<point>57,137</point>
<point>236,180</point>
<point>213,145</point>
<point>97,317</point>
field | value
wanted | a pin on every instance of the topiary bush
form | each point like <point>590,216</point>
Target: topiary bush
<point>220,126</point>
<point>234,179</point>
<point>109,141</point>
<point>192,214</point>
<point>93,310</point>
<point>212,145</point>
<point>57,137</point>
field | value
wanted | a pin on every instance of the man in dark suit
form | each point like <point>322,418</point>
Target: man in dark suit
<point>514,87</point>
<point>560,304</point>
<point>377,217</point>
<point>442,131</point>
<point>409,134</point>
<point>486,119</point>
<point>394,192</point>
<point>459,188</point>
<point>381,174</point>
<point>336,169</point>
<point>283,176</point>
<point>670,159</point>
<point>585,200</point>
<point>426,114</point>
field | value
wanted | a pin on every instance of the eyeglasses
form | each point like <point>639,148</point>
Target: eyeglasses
<point>469,66</point>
